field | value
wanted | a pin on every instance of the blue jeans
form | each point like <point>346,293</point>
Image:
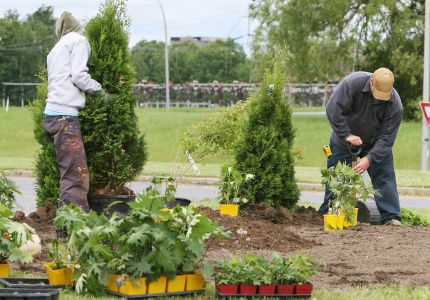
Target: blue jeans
<point>383,179</point>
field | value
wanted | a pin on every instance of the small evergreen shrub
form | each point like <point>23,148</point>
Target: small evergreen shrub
<point>46,167</point>
<point>266,147</point>
<point>115,149</point>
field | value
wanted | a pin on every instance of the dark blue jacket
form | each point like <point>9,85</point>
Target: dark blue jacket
<point>353,110</point>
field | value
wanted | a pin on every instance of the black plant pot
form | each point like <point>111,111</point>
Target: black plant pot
<point>178,201</point>
<point>99,203</point>
<point>368,212</point>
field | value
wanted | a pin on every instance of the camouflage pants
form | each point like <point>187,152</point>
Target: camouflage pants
<point>65,132</point>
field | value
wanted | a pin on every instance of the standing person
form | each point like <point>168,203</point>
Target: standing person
<point>68,81</point>
<point>365,111</point>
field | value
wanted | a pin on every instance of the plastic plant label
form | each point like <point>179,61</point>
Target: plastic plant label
<point>192,162</point>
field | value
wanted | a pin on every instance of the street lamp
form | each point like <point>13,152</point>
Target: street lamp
<point>426,88</point>
<point>166,58</point>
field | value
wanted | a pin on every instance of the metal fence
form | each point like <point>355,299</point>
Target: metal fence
<point>191,95</point>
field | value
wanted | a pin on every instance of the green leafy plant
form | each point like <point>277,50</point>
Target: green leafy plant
<point>92,238</point>
<point>347,186</point>
<point>192,229</point>
<point>7,190</point>
<point>227,272</point>
<point>230,187</point>
<point>59,255</point>
<point>13,236</point>
<point>301,268</point>
<point>409,217</point>
<point>216,135</point>
<point>152,241</point>
<point>266,147</point>
<point>280,268</point>
<point>255,270</point>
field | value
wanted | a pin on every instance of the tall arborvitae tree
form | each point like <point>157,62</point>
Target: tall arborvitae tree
<point>46,166</point>
<point>266,147</point>
<point>115,149</point>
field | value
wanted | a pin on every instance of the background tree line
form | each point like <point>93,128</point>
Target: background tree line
<point>25,42</point>
<point>323,40</point>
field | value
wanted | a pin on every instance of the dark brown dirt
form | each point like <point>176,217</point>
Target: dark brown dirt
<point>42,220</point>
<point>356,256</point>
<point>301,216</point>
<point>250,234</point>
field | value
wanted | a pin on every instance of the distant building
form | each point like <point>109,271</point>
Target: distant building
<point>199,40</point>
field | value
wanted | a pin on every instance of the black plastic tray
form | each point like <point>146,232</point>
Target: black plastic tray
<point>28,283</point>
<point>155,295</point>
<point>29,294</point>
<point>275,296</point>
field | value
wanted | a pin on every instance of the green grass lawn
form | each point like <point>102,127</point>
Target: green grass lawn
<point>163,130</point>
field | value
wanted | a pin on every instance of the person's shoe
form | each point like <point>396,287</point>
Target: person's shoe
<point>393,222</point>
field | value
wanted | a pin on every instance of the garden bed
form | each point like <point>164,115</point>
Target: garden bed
<point>361,255</point>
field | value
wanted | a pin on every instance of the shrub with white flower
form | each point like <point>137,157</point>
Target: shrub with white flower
<point>230,187</point>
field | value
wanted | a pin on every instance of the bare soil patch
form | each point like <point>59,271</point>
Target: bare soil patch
<point>366,254</point>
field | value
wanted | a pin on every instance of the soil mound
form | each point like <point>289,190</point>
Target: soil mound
<point>248,234</point>
<point>42,220</point>
<point>301,216</point>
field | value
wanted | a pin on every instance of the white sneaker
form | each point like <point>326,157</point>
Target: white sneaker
<point>393,222</point>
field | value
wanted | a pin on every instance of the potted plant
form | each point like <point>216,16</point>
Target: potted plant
<point>192,229</point>
<point>138,254</point>
<point>60,268</point>
<point>248,281</point>
<point>302,267</point>
<point>347,186</point>
<point>266,271</point>
<point>115,148</point>
<point>230,198</point>
<point>13,236</point>
<point>282,275</point>
<point>227,276</point>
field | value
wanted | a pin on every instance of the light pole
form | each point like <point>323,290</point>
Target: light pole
<point>166,58</point>
<point>426,88</point>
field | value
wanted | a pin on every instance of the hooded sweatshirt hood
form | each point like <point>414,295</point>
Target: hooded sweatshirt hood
<point>66,24</point>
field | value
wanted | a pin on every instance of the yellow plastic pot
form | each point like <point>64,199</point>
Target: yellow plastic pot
<point>62,276</point>
<point>346,224</point>
<point>158,286</point>
<point>126,286</point>
<point>4,269</point>
<point>229,209</point>
<point>177,284</point>
<point>195,282</point>
<point>333,222</point>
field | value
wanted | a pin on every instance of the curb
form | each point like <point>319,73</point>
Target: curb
<point>303,186</point>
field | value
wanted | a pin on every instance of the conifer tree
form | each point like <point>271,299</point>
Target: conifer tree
<point>266,147</point>
<point>115,148</point>
<point>46,166</point>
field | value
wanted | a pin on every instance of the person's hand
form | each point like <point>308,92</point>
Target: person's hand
<point>354,140</point>
<point>362,165</point>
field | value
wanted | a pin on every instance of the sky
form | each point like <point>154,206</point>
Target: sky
<point>219,18</point>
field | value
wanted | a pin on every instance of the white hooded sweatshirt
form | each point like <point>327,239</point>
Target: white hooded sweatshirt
<point>68,77</point>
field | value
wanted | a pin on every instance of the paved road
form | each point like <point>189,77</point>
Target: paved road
<point>194,192</point>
